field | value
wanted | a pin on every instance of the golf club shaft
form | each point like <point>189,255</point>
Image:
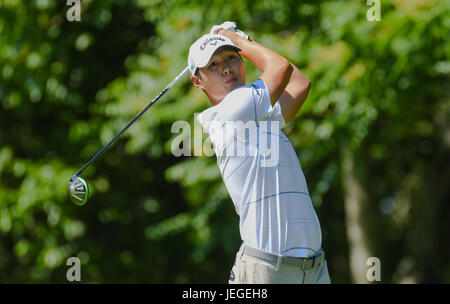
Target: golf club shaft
<point>132,121</point>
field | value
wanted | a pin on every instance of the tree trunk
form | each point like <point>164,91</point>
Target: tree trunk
<point>355,201</point>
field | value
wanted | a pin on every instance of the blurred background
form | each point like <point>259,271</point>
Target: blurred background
<point>373,138</point>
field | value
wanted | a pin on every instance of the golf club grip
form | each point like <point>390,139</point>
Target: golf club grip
<point>171,84</point>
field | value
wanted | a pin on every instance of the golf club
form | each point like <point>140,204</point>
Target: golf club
<point>78,187</point>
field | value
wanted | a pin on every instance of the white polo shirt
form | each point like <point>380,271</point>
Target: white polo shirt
<point>269,190</point>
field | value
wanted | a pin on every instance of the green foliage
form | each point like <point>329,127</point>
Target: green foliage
<point>66,88</point>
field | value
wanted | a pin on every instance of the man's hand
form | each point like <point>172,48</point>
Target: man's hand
<point>229,26</point>
<point>234,37</point>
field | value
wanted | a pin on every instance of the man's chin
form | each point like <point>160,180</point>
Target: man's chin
<point>235,85</point>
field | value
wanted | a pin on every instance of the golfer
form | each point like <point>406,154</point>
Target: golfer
<point>278,225</point>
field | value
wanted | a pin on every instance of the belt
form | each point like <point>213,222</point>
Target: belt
<point>303,263</point>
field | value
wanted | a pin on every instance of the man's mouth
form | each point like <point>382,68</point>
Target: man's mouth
<point>231,80</point>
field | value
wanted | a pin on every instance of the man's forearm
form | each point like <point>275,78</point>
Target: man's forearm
<point>264,58</point>
<point>287,84</point>
<point>276,70</point>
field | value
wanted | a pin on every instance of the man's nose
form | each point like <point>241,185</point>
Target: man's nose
<point>226,69</point>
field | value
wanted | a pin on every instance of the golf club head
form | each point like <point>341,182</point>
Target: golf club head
<point>78,190</point>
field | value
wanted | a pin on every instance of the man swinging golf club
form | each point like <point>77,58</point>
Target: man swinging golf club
<point>278,225</point>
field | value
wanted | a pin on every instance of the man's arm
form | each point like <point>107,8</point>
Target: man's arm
<point>276,70</point>
<point>295,94</point>
<point>284,80</point>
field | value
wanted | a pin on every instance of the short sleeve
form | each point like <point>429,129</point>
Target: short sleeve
<point>250,103</point>
<point>265,110</point>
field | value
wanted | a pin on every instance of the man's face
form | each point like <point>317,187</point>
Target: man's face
<point>224,72</point>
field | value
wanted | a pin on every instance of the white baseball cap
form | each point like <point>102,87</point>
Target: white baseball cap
<point>203,49</point>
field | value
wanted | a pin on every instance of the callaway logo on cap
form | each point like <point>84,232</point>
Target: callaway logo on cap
<point>210,40</point>
<point>202,50</point>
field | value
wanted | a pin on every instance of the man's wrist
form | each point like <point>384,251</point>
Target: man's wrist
<point>234,37</point>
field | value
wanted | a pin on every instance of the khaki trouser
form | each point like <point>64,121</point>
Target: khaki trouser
<point>251,270</point>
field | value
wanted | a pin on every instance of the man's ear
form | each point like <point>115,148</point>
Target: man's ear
<point>197,81</point>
